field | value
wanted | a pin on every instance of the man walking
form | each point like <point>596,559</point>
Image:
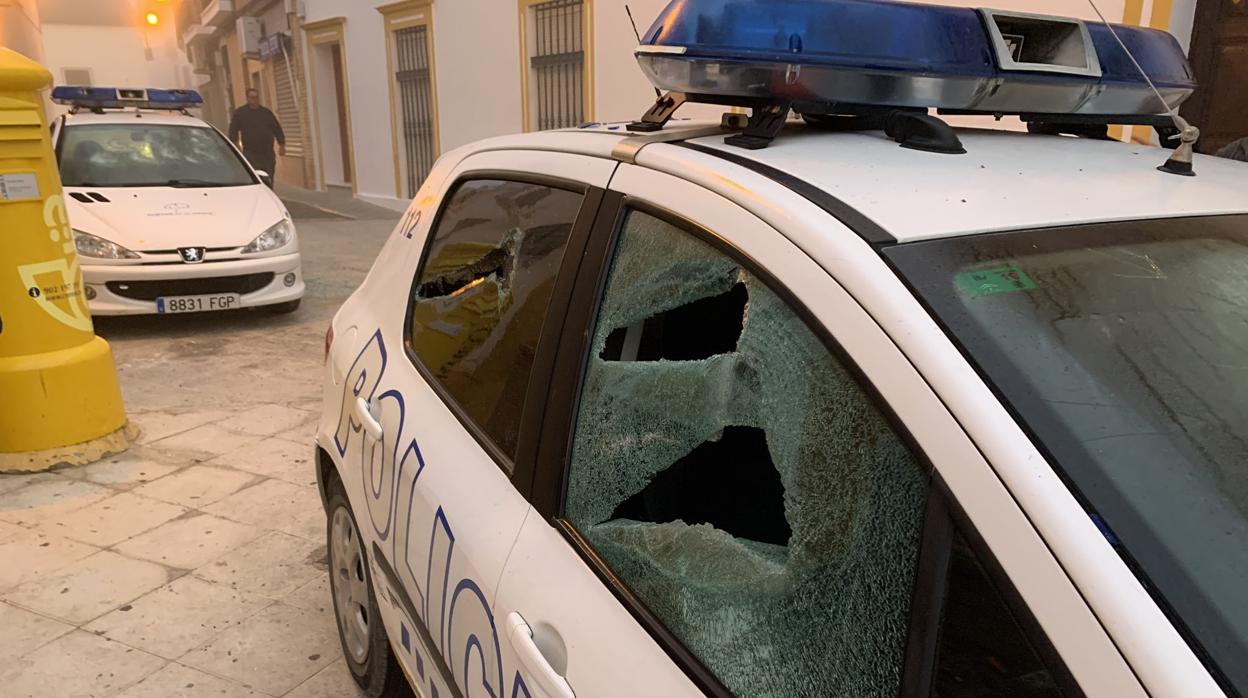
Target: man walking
<point>259,128</point>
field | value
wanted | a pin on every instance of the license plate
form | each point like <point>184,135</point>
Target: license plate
<point>197,304</point>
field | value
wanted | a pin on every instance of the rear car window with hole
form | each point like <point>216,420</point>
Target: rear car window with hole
<point>730,470</point>
<point>485,284</point>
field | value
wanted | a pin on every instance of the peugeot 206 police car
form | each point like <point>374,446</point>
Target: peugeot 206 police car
<point>784,408</point>
<point>168,216</point>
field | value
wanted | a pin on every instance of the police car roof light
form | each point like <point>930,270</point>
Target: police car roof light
<point>895,54</point>
<point>124,97</point>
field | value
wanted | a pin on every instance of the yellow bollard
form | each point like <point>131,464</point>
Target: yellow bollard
<point>60,401</point>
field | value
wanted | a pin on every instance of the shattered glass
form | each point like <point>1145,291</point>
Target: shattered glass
<point>823,614</point>
<point>483,294</point>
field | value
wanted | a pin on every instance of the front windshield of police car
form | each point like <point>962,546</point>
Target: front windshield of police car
<point>1123,348</point>
<point>148,155</point>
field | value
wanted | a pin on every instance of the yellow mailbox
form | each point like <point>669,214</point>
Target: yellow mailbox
<point>59,396</point>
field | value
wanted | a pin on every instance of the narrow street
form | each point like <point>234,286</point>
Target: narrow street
<point>194,564</point>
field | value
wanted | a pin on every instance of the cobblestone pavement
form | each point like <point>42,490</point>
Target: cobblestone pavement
<point>194,564</point>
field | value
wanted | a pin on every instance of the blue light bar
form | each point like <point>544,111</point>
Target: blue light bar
<point>884,53</point>
<point>123,97</point>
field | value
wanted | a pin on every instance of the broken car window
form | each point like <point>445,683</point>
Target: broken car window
<point>482,295</point>
<point>732,472</point>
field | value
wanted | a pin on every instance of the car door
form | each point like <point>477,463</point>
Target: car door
<point>436,402</point>
<point>744,488</point>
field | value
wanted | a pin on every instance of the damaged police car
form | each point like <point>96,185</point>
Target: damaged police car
<point>168,217</point>
<point>781,408</point>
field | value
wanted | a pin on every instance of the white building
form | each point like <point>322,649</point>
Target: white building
<point>92,42</point>
<point>392,85</point>
<point>86,42</point>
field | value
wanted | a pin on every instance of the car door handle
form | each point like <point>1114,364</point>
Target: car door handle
<point>547,679</point>
<point>372,427</point>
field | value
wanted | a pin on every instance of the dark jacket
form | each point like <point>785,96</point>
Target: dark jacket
<point>1235,150</point>
<point>259,128</point>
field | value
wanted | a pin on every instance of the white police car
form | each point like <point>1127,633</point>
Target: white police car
<point>661,415</point>
<point>168,216</point>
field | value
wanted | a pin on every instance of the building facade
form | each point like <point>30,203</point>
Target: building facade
<point>128,43</point>
<point>235,45</point>
<point>393,84</point>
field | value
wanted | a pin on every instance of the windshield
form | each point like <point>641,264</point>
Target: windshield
<point>143,155</point>
<point>1123,348</point>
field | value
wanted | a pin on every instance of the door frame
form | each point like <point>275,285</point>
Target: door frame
<point>322,33</point>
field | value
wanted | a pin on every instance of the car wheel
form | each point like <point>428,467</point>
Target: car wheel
<point>284,308</point>
<point>364,642</point>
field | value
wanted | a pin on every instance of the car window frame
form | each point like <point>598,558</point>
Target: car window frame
<point>519,468</point>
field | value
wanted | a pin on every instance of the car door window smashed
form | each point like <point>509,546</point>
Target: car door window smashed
<point>483,292</point>
<point>731,471</point>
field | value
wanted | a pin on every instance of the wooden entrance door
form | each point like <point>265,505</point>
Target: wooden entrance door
<point>1219,56</point>
<point>340,88</point>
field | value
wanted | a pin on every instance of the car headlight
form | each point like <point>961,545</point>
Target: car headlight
<point>94,246</point>
<point>277,236</point>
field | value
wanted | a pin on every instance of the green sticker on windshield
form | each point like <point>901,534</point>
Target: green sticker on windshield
<point>985,282</point>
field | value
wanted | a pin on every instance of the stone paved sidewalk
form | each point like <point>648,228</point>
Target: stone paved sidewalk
<point>194,564</point>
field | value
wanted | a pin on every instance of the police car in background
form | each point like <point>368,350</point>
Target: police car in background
<point>782,409</point>
<point>167,215</point>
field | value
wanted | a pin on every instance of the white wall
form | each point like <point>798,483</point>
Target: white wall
<point>478,70</point>
<point>19,28</point>
<point>116,55</point>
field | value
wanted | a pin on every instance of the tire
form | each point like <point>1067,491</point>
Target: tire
<point>360,629</point>
<point>284,308</point>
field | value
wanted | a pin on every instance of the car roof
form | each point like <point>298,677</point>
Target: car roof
<point>1006,180</point>
<point>127,116</point>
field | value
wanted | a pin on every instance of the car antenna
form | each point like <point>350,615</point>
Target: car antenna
<point>657,92</point>
<point>1180,162</point>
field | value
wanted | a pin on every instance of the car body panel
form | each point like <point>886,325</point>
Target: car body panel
<point>165,218</point>
<point>1109,631</point>
<point>911,194</point>
<point>155,222</point>
<point>441,512</point>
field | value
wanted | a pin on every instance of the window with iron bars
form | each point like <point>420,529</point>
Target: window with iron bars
<point>414,81</point>
<point>557,64</point>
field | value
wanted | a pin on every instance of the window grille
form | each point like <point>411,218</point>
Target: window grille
<point>557,62</point>
<point>416,108</point>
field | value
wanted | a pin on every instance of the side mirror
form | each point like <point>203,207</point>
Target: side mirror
<point>266,178</point>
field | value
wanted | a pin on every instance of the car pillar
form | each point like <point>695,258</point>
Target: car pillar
<point>60,401</point>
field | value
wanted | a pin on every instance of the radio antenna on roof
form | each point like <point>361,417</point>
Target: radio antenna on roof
<point>1180,162</point>
<point>657,92</point>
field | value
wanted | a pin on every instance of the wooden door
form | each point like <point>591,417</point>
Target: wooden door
<point>1219,56</point>
<point>340,88</point>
